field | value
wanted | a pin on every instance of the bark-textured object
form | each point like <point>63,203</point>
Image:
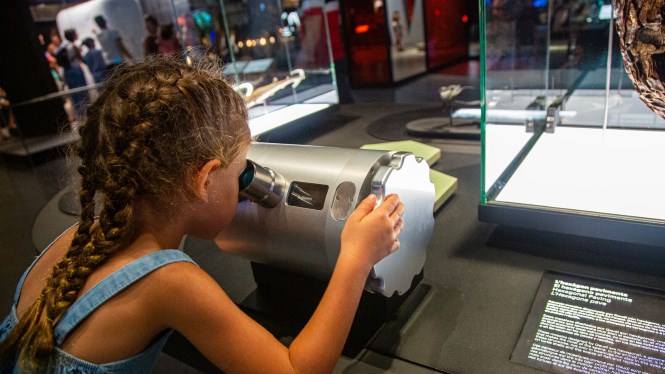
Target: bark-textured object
<point>641,28</point>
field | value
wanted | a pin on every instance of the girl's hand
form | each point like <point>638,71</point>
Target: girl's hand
<point>372,234</point>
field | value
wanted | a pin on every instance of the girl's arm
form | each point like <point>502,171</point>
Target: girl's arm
<point>194,304</point>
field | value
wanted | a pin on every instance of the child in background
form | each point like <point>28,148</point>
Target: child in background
<point>94,59</point>
<point>70,59</point>
<point>163,146</point>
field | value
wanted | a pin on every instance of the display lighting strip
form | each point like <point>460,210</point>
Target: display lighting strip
<point>281,117</point>
<point>251,43</point>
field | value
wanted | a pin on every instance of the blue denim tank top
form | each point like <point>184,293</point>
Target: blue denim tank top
<point>63,362</point>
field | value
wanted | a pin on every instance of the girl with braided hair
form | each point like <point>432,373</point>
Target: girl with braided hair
<point>161,152</point>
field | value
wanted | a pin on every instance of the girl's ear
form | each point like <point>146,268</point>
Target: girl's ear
<point>202,179</point>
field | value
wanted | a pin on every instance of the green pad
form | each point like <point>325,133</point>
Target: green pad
<point>444,186</point>
<point>427,152</point>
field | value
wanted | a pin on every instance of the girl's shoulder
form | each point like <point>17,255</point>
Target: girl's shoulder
<point>156,270</point>
<point>183,288</point>
<point>178,277</point>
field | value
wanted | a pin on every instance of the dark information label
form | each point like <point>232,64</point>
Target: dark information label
<point>584,325</point>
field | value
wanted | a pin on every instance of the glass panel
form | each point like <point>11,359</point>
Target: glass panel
<point>564,127</point>
<point>365,30</point>
<point>517,85</point>
<point>407,37</point>
<point>447,27</point>
<point>277,53</point>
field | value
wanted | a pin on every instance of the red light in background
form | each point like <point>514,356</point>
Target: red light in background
<point>437,13</point>
<point>465,18</point>
<point>360,29</point>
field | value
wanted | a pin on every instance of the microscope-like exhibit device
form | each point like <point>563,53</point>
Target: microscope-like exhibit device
<point>297,199</point>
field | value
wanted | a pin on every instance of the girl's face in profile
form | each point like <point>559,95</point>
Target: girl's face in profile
<point>222,200</point>
<point>230,187</point>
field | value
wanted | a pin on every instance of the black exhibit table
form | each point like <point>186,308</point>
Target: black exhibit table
<point>479,281</point>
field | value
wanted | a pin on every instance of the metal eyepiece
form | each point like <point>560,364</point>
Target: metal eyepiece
<point>261,185</point>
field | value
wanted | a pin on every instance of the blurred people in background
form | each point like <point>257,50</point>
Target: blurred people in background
<point>49,53</point>
<point>95,60</point>
<point>111,42</point>
<point>54,42</point>
<point>398,30</point>
<point>168,41</point>
<point>151,41</point>
<point>314,42</point>
<point>69,57</point>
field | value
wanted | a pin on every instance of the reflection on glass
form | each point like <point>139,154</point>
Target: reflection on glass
<point>559,62</point>
<point>365,23</point>
<point>407,36</point>
<point>447,31</point>
<point>277,53</point>
<point>387,39</point>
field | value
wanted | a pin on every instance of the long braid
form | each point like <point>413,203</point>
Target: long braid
<point>145,135</point>
<point>101,241</point>
<point>33,335</point>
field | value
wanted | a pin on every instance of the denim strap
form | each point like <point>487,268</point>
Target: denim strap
<point>112,285</point>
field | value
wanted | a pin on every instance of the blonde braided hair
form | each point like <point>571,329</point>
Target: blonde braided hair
<point>145,136</point>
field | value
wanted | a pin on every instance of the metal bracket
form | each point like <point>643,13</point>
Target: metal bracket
<point>552,118</point>
<point>538,104</point>
<point>552,114</point>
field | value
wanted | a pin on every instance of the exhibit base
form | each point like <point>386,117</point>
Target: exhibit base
<point>598,227</point>
<point>284,301</point>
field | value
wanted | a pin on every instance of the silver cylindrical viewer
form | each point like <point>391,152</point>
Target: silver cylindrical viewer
<point>261,185</point>
<point>316,189</point>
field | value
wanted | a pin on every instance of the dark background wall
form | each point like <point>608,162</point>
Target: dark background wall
<point>24,72</point>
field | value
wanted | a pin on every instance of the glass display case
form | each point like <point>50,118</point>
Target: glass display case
<point>568,145</point>
<point>278,53</point>
<point>391,41</point>
<point>386,40</point>
<point>447,31</point>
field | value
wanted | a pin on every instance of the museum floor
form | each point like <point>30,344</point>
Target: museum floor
<point>481,278</point>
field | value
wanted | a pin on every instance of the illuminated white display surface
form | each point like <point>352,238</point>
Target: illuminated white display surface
<point>264,118</point>
<point>503,143</point>
<point>617,172</point>
<point>281,117</point>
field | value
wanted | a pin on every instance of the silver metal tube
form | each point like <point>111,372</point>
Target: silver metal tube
<point>261,185</point>
<point>318,188</point>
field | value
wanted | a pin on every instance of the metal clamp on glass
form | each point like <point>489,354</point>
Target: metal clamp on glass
<point>536,106</point>
<point>553,118</point>
<point>261,185</point>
